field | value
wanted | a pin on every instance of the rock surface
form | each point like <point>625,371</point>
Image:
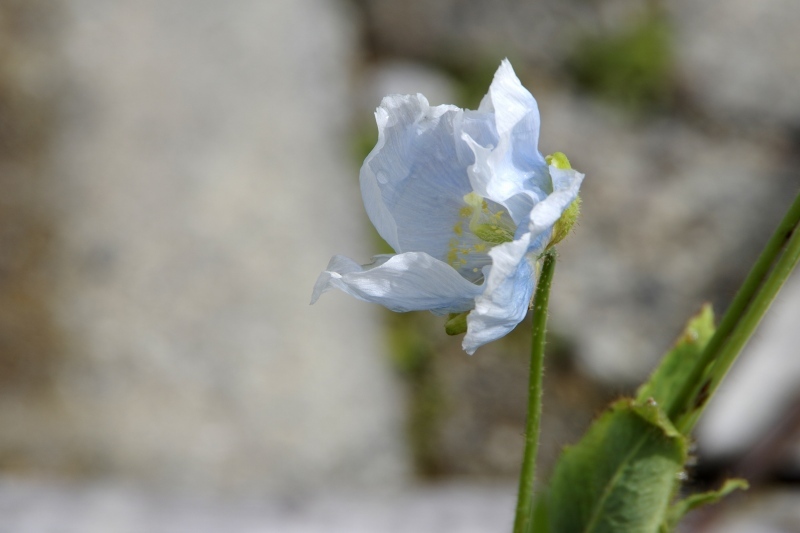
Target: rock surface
<point>200,181</point>
<point>470,31</point>
<point>739,59</point>
<point>35,507</point>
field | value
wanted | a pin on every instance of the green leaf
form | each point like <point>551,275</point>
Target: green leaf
<point>679,509</point>
<point>540,521</point>
<point>621,476</point>
<point>667,380</point>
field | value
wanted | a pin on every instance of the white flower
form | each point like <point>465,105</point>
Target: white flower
<point>467,201</point>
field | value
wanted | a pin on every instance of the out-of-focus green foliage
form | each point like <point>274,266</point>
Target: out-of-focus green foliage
<point>632,68</point>
<point>412,353</point>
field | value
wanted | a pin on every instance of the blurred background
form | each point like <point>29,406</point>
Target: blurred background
<point>175,175</point>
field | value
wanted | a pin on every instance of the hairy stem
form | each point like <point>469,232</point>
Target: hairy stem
<point>522,518</point>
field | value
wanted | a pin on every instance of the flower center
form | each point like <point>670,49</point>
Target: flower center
<point>487,227</point>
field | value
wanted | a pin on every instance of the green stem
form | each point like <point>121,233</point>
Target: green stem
<point>522,518</point>
<point>740,320</point>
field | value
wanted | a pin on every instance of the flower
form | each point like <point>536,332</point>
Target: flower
<point>469,204</point>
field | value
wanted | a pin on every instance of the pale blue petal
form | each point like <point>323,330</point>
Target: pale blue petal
<point>414,181</point>
<point>512,164</point>
<point>507,293</point>
<point>546,213</point>
<point>495,176</point>
<point>412,281</point>
<point>516,116</point>
<point>511,103</point>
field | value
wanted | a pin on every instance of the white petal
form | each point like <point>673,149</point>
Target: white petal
<point>512,164</point>
<point>412,281</point>
<point>414,181</point>
<point>510,102</point>
<point>494,175</point>
<point>505,298</point>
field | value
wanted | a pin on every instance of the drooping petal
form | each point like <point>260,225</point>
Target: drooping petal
<point>507,293</point>
<point>414,180</point>
<point>412,281</point>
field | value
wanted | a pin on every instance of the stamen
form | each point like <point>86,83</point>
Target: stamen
<point>492,228</point>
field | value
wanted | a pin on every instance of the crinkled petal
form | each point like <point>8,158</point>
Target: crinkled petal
<point>513,164</point>
<point>507,293</point>
<point>511,103</point>
<point>495,176</point>
<point>414,180</point>
<point>412,281</point>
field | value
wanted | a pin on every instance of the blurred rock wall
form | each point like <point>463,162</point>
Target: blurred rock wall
<point>197,177</point>
<point>175,175</point>
<point>28,336</point>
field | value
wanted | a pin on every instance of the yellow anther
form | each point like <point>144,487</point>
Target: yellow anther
<point>452,252</point>
<point>452,256</point>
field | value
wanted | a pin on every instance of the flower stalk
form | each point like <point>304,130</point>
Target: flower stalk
<point>523,516</point>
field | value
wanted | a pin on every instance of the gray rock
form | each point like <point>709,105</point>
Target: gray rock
<point>739,59</point>
<point>469,31</point>
<point>200,181</point>
<point>113,508</point>
<point>403,77</point>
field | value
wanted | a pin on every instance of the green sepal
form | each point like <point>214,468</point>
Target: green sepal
<point>666,381</point>
<point>558,160</point>
<point>564,224</point>
<point>456,323</point>
<point>570,215</point>
<point>621,476</point>
<point>680,508</point>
